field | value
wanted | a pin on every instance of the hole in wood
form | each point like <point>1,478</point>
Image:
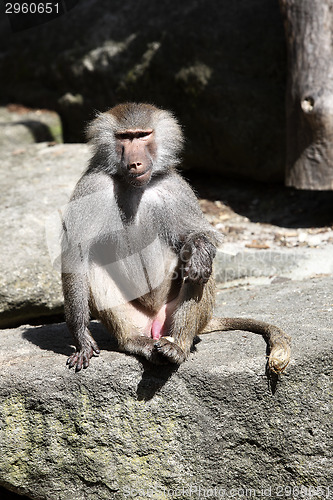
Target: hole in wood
<point>307,104</point>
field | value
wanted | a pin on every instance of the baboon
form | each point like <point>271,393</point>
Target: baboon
<point>137,252</point>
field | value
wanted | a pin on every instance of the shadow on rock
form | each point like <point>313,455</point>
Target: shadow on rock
<point>153,379</point>
<point>39,131</point>
<point>155,376</point>
<point>268,203</point>
<point>57,338</point>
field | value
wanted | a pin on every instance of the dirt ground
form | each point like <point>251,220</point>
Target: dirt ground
<point>263,216</point>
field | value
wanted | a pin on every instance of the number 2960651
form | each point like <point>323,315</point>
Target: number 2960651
<point>32,8</point>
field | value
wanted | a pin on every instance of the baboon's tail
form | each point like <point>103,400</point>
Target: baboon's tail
<point>278,341</point>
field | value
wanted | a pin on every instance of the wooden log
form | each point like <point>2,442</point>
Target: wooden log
<point>309,101</point>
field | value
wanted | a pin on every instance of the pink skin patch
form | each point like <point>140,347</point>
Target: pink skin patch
<point>156,329</point>
<point>161,324</point>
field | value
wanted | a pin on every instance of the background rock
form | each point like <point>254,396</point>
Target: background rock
<point>19,125</point>
<point>121,428</point>
<point>221,69</point>
<point>40,181</point>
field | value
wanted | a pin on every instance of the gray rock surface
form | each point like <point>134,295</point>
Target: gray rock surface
<point>240,265</point>
<point>222,69</point>
<point>35,181</point>
<point>123,429</point>
<point>19,125</point>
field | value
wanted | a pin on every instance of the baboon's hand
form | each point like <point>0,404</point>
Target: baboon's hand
<point>197,255</point>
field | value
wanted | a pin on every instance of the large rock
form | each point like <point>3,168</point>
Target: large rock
<point>40,181</point>
<point>19,126</point>
<point>122,429</point>
<point>221,68</point>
